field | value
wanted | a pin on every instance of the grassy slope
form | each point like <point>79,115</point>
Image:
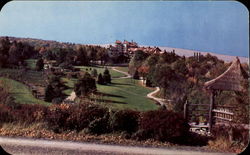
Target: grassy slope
<point>121,94</point>
<point>31,63</point>
<point>126,94</point>
<point>21,93</point>
<point>124,69</point>
<point>33,77</point>
<point>100,69</point>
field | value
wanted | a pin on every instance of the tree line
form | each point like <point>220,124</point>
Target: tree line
<point>182,78</point>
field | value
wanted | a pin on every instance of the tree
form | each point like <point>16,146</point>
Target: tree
<point>94,73</point>
<point>81,57</point>
<point>137,60</point>
<point>14,54</point>
<point>85,85</point>
<point>143,71</point>
<point>136,75</point>
<point>100,79</point>
<point>106,76</point>
<point>39,64</point>
<point>4,49</point>
<point>54,88</point>
<point>163,76</point>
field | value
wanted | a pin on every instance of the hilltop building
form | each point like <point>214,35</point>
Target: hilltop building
<point>128,48</point>
<point>121,48</point>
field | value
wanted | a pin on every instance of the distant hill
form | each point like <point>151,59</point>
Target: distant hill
<point>178,51</point>
<point>188,53</point>
<point>41,43</point>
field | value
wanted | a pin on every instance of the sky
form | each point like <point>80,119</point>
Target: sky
<point>221,27</point>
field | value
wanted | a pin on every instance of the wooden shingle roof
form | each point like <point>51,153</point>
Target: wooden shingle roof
<point>230,80</point>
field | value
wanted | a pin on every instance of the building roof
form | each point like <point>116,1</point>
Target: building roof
<point>118,42</point>
<point>231,79</point>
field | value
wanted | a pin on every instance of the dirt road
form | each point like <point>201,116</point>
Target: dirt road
<point>42,147</point>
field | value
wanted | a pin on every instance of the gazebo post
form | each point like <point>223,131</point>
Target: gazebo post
<point>211,110</point>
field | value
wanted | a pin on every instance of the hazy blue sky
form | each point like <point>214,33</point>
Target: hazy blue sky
<point>220,27</point>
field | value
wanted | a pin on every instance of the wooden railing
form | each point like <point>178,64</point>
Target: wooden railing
<point>217,114</point>
<point>223,114</point>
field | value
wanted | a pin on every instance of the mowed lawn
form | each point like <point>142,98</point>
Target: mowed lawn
<point>101,69</point>
<point>120,94</point>
<point>32,76</point>
<point>20,92</point>
<point>31,63</point>
<point>124,69</point>
<point>125,94</point>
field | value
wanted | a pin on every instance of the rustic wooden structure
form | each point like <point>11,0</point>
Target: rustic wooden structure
<point>230,80</point>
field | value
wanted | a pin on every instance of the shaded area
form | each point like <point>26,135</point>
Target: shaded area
<point>109,95</point>
<point>108,101</point>
<point>125,84</point>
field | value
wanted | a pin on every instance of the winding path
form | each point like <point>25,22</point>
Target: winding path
<point>126,73</point>
<point>149,95</point>
<point>160,100</point>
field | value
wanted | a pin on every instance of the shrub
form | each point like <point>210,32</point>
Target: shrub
<point>85,85</point>
<point>24,113</point>
<point>100,79</point>
<point>162,125</point>
<point>99,125</point>
<point>82,114</point>
<point>5,114</point>
<point>56,118</point>
<point>124,120</point>
<point>237,133</point>
<point>136,75</point>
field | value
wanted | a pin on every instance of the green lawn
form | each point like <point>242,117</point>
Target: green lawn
<point>125,94</point>
<point>121,94</point>
<point>21,93</point>
<point>124,69</point>
<point>33,77</point>
<point>70,83</point>
<point>101,69</point>
<point>31,63</point>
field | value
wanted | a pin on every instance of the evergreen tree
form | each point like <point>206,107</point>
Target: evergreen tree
<point>54,89</point>
<point>106,76</point>
<point>136,75</point>
<point>100,79</point>
<point>85,85</point>
<point>94,73</point>
<point>39,64</point>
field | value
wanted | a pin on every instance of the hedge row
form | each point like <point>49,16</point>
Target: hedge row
<point>160,125</point>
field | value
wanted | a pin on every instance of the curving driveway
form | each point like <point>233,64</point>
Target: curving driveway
<point>159,100</point>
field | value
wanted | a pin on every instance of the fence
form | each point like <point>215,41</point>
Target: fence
<point>218,114</point>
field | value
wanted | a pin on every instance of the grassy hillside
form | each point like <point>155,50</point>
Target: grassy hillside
<point>31,63</point>
<point>125,94</point>
<point>100,69</point>
<point>20,92</point>
<point>121,94</point>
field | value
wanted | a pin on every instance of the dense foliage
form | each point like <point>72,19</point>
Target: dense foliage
<point>162,125</point>
<point>85,85</point>
<point>181,78</point>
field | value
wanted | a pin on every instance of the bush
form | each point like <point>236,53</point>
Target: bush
<point>99,126</point>
<point>162,125</point>
<point>238,133</point>
<point>56,118</point>
<point>5,114</point>
<point>136,75</point>
<point>57,100</point>
<point>82,114</point>
<point>124,120</point>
